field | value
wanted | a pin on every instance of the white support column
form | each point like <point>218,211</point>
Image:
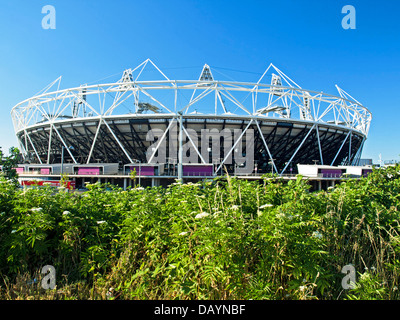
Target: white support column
<point>180,150</point>
<point>298,148</point>
<point>119,143</point>
<point>340,149</point>
<point>234,145</point>
<point>33,146</point>
<point>94,141</point>
<point>351,136</point>
<point>26,143</point>
<point>22,147</point>
<point>161,140</point>
<point>49,147</point>
<point>194,146</point>
<point>358,154</point>
<point>319,145</point>
<point>266,146</point>
<point>65,145</point>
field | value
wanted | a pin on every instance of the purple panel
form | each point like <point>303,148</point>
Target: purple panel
<point>93,170</point>
<point>197,170</point>
<point>45,171</point>
<point>143,170</point>
<point>331,173</point>
<point>366,171</point>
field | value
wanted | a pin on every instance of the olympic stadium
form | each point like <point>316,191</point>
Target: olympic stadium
<point>205,126</point>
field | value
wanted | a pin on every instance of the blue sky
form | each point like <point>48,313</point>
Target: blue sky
<point>305,39</point>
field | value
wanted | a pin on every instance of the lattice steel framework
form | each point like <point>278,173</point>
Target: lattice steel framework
<point>109,122</point>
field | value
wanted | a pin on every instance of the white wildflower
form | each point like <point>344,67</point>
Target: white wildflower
<point>109,293</point>
<point>139,188</point>
<point>302,288</point>
<point>317,234</point>
<point>202,215</point>
<point>101,222</point>
<point>66,213</point>
<point>13,231</point>
<point>183,233</point>
<point>235,207</point>
<point>266,206</point>
<point>36,209</point>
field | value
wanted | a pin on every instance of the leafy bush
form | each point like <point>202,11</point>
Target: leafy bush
<point>219,239</point>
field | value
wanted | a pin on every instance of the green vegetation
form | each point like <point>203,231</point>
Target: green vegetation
<point>8,164</point>
<point>220,239</point>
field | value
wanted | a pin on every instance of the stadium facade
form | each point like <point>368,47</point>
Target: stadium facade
<point>188,127</point>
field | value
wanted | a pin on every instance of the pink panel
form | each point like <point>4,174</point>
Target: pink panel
<point>93,170</point>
